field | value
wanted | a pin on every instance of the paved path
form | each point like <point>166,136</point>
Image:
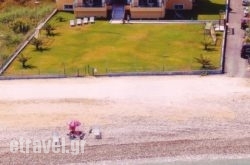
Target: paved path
<point>235,66</point>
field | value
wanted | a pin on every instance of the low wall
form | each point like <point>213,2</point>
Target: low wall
<point>147,12</point>
<point>91,11</point>
<point>170,73</point>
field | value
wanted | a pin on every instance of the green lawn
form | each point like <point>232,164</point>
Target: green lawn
<point>118,48</point>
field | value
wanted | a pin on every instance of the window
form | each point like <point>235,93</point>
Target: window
<point>68,7</point>
<point>178,7</point>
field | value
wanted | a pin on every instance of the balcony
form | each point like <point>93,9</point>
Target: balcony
<point>147,9</point>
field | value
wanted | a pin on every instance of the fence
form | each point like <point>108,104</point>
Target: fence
<point>90,70</point>
<point>224,43</point>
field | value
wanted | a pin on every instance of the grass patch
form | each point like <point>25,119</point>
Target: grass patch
<point>118,48</point>
<point>10,14</point>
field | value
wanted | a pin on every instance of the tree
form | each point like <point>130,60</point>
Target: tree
<point>23,60</point>
<point>20,26</point>
<point>38,43</point>
<point>49,29</point>
<point>204,61</point>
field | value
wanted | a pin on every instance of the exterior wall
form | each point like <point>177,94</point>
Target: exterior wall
<point>81,12</point>
<point>147,12</point>
<point>60,3</point>
<point>136,12</point>
<point>187,4</point>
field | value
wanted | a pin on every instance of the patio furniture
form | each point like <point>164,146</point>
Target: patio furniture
<point>72,22</point>
<point>95,130</point>
<point>92,20</point>
<point>85,20</point>
<point>79,21</point>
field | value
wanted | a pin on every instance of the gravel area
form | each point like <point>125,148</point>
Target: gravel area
<point>141,118</point>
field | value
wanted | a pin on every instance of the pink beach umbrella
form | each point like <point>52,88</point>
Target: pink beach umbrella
<point>73,124</point>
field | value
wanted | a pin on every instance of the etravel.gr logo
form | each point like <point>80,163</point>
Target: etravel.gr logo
<point>25,145</point>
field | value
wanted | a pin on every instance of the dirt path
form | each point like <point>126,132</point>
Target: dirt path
<point>140,117</point>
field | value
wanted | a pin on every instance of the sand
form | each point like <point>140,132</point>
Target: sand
<point>140,117</point>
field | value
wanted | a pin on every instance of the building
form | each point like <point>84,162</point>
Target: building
<point>118,9</point>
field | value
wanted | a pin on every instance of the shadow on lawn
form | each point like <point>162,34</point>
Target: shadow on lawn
<point>29,67</point>
<point>211,49</point>
<point>55,34</point>
<point>201,7</point>
<point>41,50</point>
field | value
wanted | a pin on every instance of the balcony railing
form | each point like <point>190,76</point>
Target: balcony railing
<point>98,3</point>
<point>148,3</point>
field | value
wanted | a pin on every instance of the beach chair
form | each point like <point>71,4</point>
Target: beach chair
<point>92,20</point>
<point>79,21</point>
<point>72,22</point>
<point>85,20</point>
<point>95,130</point>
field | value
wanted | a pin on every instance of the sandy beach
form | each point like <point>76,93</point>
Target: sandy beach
<point>141,118</point>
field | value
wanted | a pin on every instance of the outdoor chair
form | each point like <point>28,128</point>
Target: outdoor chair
<point>95,130</point>
<point>79,21</point>
<point>92,20</point>
<point>85,20</point>
<point>72,22</point>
